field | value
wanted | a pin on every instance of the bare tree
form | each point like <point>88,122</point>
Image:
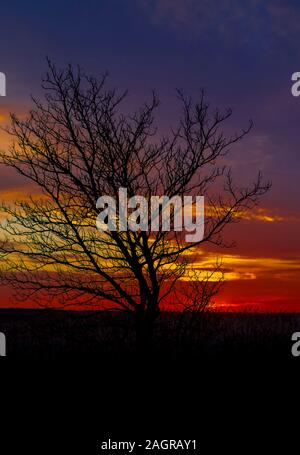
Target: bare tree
<point>76,145</point>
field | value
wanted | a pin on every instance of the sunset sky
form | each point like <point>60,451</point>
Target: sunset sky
<point>242,53</point>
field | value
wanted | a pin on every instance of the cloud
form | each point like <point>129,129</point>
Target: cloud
<point>239,267</point>
<point>256,214</point>
<point>249,19</point>
<point>23,193</point>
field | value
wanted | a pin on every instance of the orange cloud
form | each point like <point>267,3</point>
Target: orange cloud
<point>238,267</point>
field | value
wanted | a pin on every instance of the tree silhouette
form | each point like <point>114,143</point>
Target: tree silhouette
<point>76,145</point>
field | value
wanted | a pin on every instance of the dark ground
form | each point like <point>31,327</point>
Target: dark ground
<point>52,334</point>
<point>68,407</point>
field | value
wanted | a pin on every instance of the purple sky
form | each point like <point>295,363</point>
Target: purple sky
<point>242,53</point>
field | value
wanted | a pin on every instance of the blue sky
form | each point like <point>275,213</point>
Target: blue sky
<point>241,52</point>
